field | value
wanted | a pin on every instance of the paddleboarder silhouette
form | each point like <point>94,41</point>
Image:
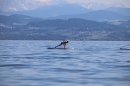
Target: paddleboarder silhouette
<point>63,43</point>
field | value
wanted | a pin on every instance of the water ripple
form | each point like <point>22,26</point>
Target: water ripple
<point>12,65</point>
<point>91,63</point>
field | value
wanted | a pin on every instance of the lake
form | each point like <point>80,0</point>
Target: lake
<point>90,63</point>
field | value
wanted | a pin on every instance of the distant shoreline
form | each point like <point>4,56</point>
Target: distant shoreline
<point>60,40</point>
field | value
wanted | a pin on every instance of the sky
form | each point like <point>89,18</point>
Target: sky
<point>126,3</point>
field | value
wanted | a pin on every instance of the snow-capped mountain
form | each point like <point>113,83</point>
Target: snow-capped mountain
<point>19,5</point>
<point>61,8</point>
<point>99,6</point>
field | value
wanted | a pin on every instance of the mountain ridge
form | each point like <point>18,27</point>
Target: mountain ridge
<point>123,11</point>
<point>103,15</point>
<point>20,5</point>
<point>57,29</point>
<point>62,9</point>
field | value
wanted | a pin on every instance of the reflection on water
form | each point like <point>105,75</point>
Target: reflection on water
<point>30,63</point>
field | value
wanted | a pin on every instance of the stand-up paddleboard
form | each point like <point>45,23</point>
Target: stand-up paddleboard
<point>61,48</point>
<point>124,48</point>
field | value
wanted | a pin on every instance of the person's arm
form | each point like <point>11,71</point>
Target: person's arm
<point>58,45</point>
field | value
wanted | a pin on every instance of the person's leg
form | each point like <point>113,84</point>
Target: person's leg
<point>64,46</point>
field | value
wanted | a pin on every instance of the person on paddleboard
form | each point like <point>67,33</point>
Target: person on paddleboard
<point>63,43</point>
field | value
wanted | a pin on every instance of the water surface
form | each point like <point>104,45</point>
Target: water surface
<point>90,63</point>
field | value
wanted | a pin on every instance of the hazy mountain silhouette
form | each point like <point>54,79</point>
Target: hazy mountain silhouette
<point>100,15</point>
<point>123,11</point>
<point>54,10</point>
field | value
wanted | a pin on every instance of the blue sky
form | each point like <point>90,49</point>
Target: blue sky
<point>124,2</point>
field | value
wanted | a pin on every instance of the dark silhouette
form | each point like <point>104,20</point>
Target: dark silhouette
<point>63,43</point>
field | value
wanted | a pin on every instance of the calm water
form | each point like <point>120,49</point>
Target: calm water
<point>30,63</point>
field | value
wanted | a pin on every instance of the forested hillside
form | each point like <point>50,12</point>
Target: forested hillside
<point>19,27</point>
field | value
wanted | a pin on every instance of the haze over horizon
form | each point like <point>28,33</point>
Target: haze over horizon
<point>14,5</point>
<point>126,3</point>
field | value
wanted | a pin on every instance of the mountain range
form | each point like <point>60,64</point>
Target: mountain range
<point>20,27</point>
<point>123,11</point>
<point>61,9</point>
<point>100,15</point>
<point>58,19</point>
<point>100,6</point>
<point>20,5</point>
